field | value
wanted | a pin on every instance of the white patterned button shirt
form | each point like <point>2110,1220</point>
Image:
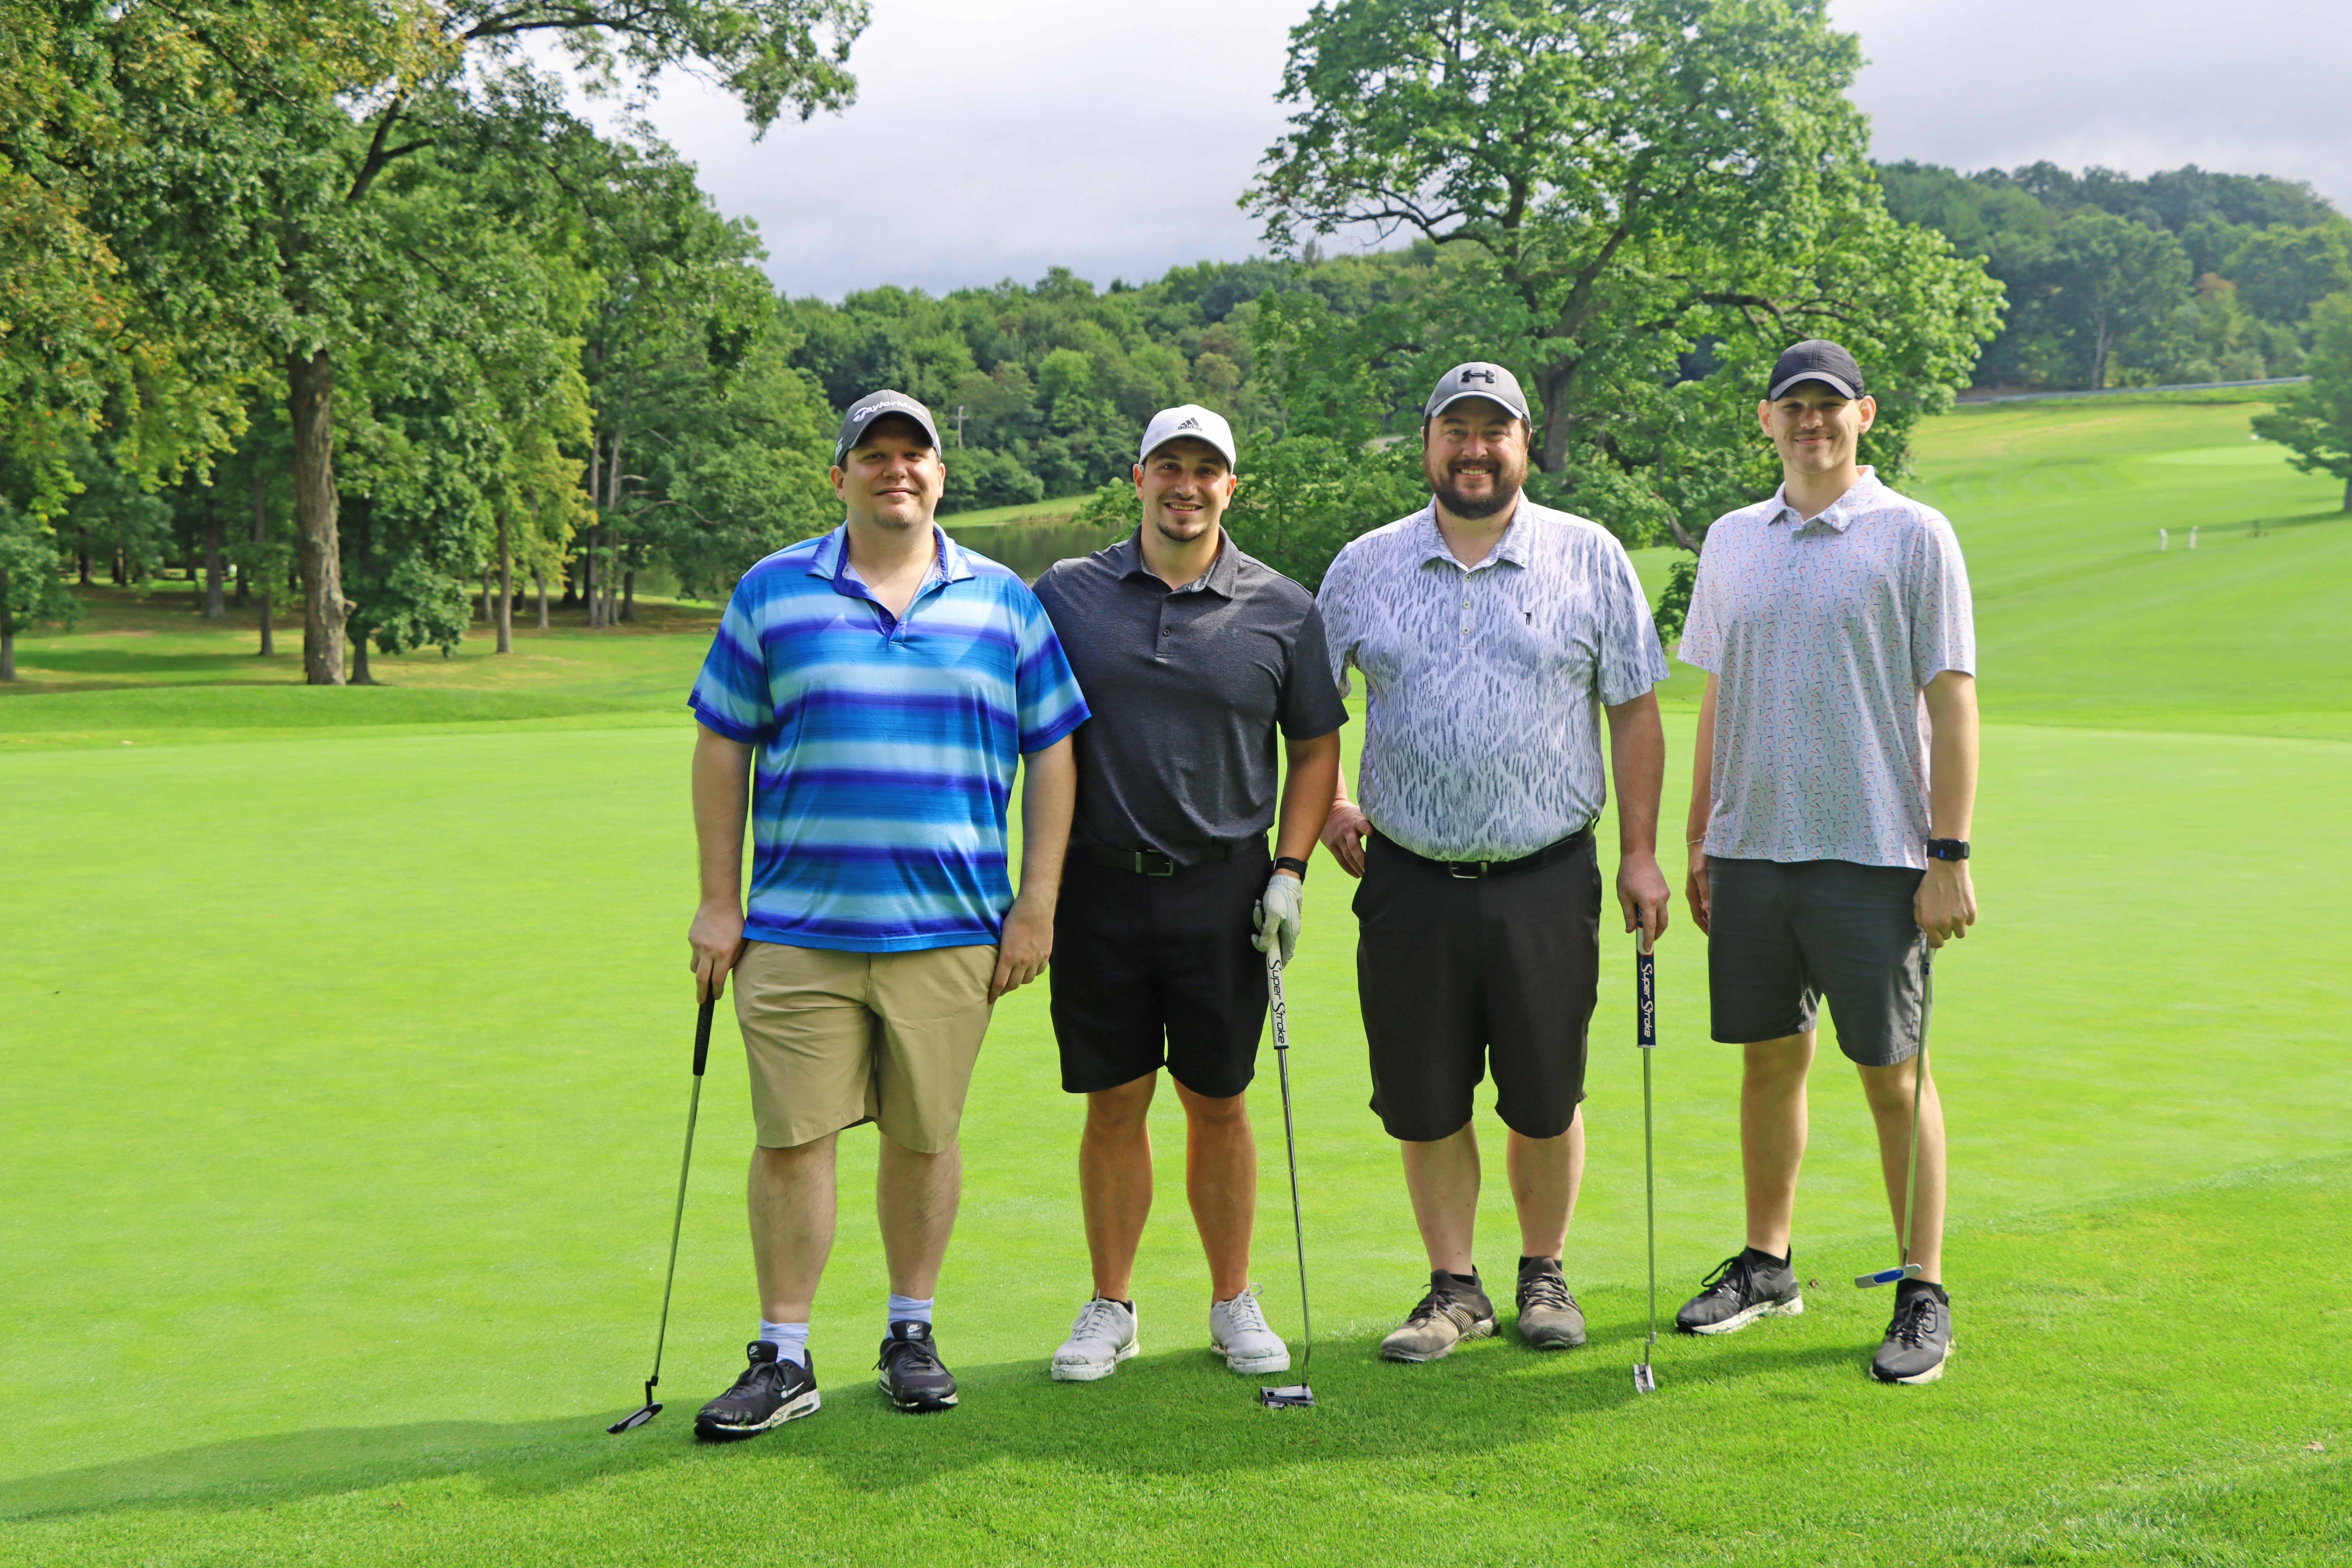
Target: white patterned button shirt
<point>1483,685</point>
<point>1823,636</point>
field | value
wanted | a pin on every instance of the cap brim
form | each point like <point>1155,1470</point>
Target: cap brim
<point>1435,410</point>
<point>1834,383</point>
<point>1233,460</point>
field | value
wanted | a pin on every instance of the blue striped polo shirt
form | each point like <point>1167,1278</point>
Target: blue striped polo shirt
<point>886,745</point>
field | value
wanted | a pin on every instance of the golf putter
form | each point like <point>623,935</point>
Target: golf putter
<point>652,1408</point>
<point>1905,1268</point>
<point>1645,1035</point>
<point>1295,1395</point>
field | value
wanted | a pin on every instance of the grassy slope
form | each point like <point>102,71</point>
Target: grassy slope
<point>415,1118</point>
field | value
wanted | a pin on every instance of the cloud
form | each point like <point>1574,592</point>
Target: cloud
<point>996,140</point>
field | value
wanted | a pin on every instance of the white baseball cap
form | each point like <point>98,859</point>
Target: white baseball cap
<point>1190,421</point>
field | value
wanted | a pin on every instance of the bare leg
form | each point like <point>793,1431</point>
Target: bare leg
<point>791,1196</point>
<point>1772,1128</point>
<point>1220,1180</point>
<point>914,1197</point>
<point>1442,1177</point>
<point>1545,1174</point>
<point>1115,1182</point>
<point>1889,1090</point>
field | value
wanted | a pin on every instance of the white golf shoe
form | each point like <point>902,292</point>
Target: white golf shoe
<point>1102,1337</point>
<point>1237,1331</point>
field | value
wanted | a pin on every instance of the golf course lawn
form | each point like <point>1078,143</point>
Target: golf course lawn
<point>345,1039</point>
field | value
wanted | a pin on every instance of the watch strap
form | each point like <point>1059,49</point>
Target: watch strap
<point>1947,848</point>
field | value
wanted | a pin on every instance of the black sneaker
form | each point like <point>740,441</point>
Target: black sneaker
<point>1741,1290</point>
<point>769,1393</point>
<point>911,1374</point>
<point>1449,1313</point>
<point>1549,1319</point>
<point>1920,1340</point>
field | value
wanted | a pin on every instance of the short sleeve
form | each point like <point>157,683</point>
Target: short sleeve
<point>1943,615</point>
<point>1631,660</point>
<point>732,695</point>
<point>1045,688</point>
<point>1702,640</point>
<point>1310,700</point>
<point>1336,607</point>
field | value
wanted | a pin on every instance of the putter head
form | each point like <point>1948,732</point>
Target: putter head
<point>1291,1396</point>
<point>1886,1276</point>
<point>637,1417</point>
<point>1644,1381</point>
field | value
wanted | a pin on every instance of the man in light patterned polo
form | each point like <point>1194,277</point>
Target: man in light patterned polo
<point>1492,634</point>
<point>1835,772</point>
<point>886,682</point>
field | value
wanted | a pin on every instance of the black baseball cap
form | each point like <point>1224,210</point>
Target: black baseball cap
<point>872,407</point>
<point>1815,359</point>
<point>1477,379</point>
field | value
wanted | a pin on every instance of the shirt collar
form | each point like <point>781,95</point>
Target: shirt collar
<point>1512,547</point>
<point>1839,513</point>
<point>1126,557</point>
<point>949,562</point>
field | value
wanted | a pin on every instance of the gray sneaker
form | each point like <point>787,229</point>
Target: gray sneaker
<point>1449,1313</point>
<point>1742,1288</point>
<point>1549,1319</point>
<point>1920,1340</point>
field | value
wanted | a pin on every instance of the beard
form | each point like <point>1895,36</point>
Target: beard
<point>1178,532</point>
<point>1507,478</point>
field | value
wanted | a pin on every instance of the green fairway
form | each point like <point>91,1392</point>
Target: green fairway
<point>346,1038</point>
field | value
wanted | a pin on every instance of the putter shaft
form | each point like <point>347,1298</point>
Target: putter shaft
<point>677,1218</point>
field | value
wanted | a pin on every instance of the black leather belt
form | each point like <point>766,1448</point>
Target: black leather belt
<point>1151,863</point>
<point>1472,871</point>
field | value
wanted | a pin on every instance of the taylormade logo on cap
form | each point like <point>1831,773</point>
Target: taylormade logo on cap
<point>1190,422</point>
<point>872,407</point>
<point>1477,379</point>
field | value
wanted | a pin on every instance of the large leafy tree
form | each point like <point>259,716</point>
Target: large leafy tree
<point>2316,421</point>
<point>1643,200</point>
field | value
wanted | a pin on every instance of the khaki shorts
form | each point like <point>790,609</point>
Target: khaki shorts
<point>837,1038</point>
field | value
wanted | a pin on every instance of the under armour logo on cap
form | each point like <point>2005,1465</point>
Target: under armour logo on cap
<point>1477,379</point>
<point>1194,423</point>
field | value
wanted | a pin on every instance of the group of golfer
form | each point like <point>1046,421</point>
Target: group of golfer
<point>871,695</point>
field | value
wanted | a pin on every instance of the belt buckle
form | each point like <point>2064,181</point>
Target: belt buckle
<point>1467,871</point>
<point>1149,863</point>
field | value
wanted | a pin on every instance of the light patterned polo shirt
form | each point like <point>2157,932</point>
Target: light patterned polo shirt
<point>1823,636</point>
<point>1483,685</point>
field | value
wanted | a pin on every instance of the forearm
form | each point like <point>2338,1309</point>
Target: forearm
<point>1702,795</point>
<point>1952,754</point>
<point>1049,794</point>
<point>1309,789</point>
<point>722,802</point>
<point>1637,766</point>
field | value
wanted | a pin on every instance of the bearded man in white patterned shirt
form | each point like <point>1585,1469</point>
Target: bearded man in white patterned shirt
<point>1492,635</point>
<point>1835,776</point>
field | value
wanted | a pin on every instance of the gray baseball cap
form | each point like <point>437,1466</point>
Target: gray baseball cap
<point>1815,359</point>
<point>872,407</point>
<point>1477,379</point>
<point>1189,422</point>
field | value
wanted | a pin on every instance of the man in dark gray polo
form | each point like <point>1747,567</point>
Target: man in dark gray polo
<point>1194,660</point>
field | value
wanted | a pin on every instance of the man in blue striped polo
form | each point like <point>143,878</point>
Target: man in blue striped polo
<point>886,682</point>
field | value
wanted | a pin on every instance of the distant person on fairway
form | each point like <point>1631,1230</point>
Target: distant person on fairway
<point>1196,660</point>
<point>885,682</point>
<point>1835,772</point>
<point>1492,635</point>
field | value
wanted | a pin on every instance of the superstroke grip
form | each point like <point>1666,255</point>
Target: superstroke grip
<point>1645,1012</point>
<point>702,1035</point>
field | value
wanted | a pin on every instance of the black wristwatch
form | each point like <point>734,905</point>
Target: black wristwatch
<point>1948,849</point>
<point>1293,863</point>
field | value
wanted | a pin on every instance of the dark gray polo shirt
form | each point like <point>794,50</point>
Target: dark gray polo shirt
<point>1188,687</point>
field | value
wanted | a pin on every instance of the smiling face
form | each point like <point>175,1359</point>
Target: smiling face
<point>1474,454</point>
<point>1185,486</point>
<point>1816,427</point>
<point>892,477</point>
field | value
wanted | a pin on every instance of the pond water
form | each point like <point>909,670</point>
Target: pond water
<point>1030,547</point>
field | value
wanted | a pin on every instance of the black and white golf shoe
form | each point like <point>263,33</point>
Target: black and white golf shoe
<point>1919,1341</point>
<point>769,1393</point>
<point>1743,1287</point>
<point>911,1373</point>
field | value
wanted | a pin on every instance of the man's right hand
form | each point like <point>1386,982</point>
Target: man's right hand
<point>1695,890</point>
<point>715,941</point>
<point>1343,834</point>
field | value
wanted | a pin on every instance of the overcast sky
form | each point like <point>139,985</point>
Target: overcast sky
<point>1115,139</point>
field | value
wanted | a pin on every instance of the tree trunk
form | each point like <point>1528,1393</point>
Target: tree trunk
<point>588,573</point>
<point>215,604</point>
<point>360,675</point>
<point>506,588</point>
<point>539,579</point>
<point>121,577</point>
<point>7,632</point>
<point>2347,492</point>
<point>487,616</point>
<point>84,559</point>
<point>260,538</point>
<point>311,392</point>
<point>629,595</point>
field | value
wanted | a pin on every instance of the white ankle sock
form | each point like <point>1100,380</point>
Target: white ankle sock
<point>907,1309</point>
<point>791,1339</point>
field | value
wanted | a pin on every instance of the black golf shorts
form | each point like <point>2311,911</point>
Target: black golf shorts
<point>1152,972</point>
<point>1456,975</point>
<point>1783,935</point>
